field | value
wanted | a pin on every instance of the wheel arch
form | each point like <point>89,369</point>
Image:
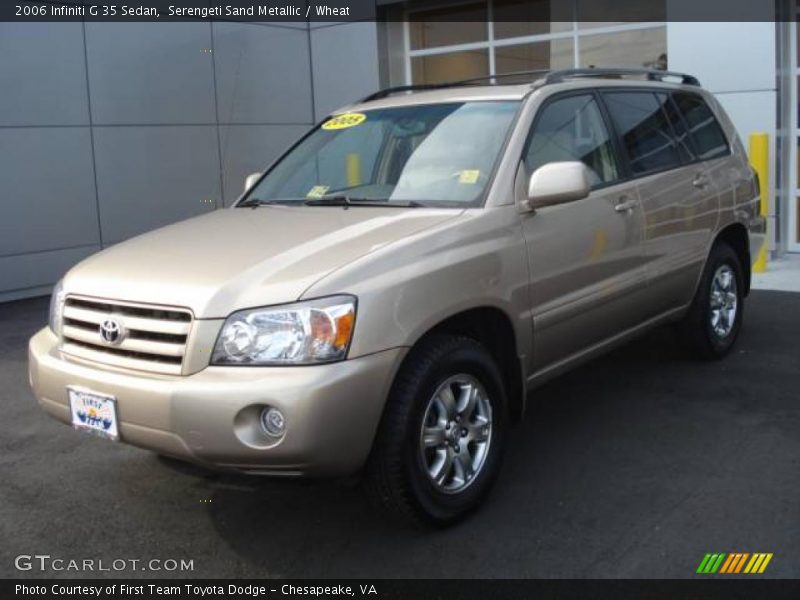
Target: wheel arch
<point>493,328</point>
<point>736,236</point>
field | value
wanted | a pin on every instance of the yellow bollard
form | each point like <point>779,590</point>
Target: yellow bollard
<point>353,169</point>
<point>759,160</point>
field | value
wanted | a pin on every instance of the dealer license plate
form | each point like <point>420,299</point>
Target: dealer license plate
<point>93,412</point>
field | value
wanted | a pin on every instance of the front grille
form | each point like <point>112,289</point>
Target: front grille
<point>153,338</point>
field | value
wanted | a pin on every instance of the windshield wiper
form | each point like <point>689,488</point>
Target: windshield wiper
<point>250,203</point>
<point>253,202</point>
<point>348,201</point>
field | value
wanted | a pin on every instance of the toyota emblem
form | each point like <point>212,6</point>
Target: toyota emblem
<point>111,331</point>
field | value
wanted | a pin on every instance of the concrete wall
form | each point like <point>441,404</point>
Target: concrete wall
<point>736,61</point>
<point>108,130</point>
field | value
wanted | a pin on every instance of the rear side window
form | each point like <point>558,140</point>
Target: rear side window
<point>646,134</point>
<point>679,128</point>
<point>573,129</point>
<point>706,133</point>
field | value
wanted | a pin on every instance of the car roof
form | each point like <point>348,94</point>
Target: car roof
<point>454,94</point>
<point>571,79</point>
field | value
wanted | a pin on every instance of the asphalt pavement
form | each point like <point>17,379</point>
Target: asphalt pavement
<point>634,465</point>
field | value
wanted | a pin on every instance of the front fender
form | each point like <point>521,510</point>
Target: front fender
<point>406,288</point>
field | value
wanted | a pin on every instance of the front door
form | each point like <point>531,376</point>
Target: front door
<point>587,274</point>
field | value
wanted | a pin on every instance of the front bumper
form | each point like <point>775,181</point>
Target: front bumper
<point>211,417</point>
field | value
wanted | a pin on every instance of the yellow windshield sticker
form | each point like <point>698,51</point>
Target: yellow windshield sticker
<point>344,121</point>
<point>469,176</point>
<point>318,191</point>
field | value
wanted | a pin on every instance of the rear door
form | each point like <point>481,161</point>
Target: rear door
<point>585,256</point>
<point>679,199</point>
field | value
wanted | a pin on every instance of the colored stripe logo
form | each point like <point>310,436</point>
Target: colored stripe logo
<point>734,563</point>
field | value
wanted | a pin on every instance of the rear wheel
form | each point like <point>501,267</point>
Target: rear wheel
<point>439,446</point>
<point>712,324</point>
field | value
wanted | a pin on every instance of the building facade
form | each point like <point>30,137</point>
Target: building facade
<point>108,130</point>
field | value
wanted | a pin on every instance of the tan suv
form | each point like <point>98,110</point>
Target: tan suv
<point>383,297</point>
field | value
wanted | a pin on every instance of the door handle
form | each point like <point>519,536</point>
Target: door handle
<point>626,205</point>
<point>700,181</point>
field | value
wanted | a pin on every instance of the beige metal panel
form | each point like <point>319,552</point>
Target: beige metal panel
<point>332,411</point>
<point>680,220</point>
<point>587,272</point>
<point>243,258</point>
<point>200,345</point>
<point>473,261</point>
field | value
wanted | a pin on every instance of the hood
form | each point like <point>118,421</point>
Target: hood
<point>243,257</point>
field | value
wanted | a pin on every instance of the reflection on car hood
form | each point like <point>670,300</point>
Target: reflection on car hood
<point>239,258</point>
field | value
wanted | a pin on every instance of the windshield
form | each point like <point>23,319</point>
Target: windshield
<point>432,154</point>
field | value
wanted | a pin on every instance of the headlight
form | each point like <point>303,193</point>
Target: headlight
<point>316,331</point>
<point>57,308</point>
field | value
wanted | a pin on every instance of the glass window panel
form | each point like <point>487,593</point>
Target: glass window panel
<point>514,18</point>
<point>431,28</point>
<point>637,48</point>
<point>455,161</point>
<point>360,144</point>
<point>707,135</point>
<point>679,127</point>
<point>645,132</point>
<point>442,152</point>
<point>453,66</point>
<point>570,129</point>
<point>554,54</point>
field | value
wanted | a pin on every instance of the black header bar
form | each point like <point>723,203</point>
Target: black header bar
<point>324,11</point>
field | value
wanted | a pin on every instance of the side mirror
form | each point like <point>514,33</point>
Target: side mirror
<point>251,180</point>
<point>557,183</point>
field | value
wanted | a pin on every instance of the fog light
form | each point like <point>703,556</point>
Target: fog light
<point>273,421</point>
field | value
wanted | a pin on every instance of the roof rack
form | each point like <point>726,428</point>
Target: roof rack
<point>419,87</point>
<point>424,87</point>
<point>491,78</point>
<point>550,78</point>
<point>599,72</point>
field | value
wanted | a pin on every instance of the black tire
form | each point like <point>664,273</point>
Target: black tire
<point>696,330</point>
<point>396,479</point>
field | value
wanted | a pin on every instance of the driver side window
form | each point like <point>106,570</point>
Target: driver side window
<point>573,129</point>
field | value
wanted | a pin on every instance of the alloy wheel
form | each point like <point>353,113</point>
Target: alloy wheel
<point>456,433</point>
<point>724,301</point>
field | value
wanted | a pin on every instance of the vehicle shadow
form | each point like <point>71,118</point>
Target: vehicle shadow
<point>600,450</point>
